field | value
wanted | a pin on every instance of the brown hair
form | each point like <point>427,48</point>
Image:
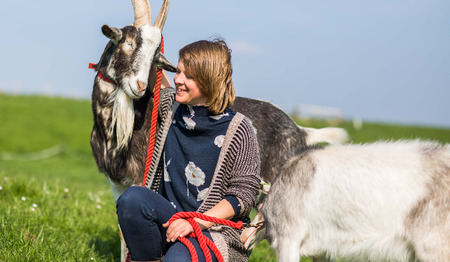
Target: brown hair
<point>209,64</point>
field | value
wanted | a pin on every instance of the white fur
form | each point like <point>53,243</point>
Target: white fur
<point>117,189</point>
<point>254,234</point>
<point>122,117</point>
<point>364,200</point>
<point>358,202</point>
<point>331,135</point>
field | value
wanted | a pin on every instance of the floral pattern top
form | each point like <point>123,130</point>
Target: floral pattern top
<point>191,152</point>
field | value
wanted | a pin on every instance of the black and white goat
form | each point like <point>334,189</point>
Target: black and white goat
<point>120,103</point>
<point>385,201</point>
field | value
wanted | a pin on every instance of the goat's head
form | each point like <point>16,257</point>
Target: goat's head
<point>129,55</point>
<point>129,63</point>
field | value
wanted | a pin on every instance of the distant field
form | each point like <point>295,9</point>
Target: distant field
<point>60,208</point>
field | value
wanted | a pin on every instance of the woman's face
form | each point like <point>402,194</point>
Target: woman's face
<point>187,90</point>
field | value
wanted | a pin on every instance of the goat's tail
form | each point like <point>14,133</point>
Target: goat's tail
<point>330,135</point>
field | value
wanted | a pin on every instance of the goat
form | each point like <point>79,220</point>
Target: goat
<point>120,104</point>
<point>385,201</point>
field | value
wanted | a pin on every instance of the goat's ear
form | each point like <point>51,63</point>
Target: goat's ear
<point>113,33</point>
<point>162,63</point>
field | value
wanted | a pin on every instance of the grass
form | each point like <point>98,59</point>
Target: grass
<point>60,208</point>
<point>43,220</point>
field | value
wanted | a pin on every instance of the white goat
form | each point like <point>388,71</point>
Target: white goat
<point>386,201</point>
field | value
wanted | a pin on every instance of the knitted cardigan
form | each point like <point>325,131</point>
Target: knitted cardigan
<point>236,173</point>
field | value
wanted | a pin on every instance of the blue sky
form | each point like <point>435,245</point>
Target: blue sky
<point>381,60</point>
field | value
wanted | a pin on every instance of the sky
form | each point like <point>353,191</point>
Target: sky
<point>377,60</point>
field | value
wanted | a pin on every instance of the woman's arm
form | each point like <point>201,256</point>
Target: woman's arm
<point>244,181</point>
<point>222,210</point>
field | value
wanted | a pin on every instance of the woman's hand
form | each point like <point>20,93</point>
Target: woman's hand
<point>181,227</point>
<point>178,228</point>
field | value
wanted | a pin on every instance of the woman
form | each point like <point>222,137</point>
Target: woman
<point>209,164</point>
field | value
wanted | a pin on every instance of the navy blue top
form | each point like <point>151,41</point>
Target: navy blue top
<point>191,153</point>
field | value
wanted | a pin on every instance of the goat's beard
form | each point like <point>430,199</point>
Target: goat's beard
<point>122,118</point>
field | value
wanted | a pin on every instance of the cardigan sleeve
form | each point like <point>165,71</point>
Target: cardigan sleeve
<point>244,180</point>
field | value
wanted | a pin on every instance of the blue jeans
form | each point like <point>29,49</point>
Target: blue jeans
<point>141,213</point>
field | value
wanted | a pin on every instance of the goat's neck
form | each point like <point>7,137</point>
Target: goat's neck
<point>126,166</point>
<point>114,113</point>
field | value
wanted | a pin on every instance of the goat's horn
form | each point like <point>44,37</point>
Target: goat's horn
<point>161,19</point>
<point>142,13</point>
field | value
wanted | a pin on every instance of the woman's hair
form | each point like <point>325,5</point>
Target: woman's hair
<point>209,64</point>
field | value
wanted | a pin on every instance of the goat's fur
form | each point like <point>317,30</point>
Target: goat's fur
<point>386,201</point>
<point>279,137</point>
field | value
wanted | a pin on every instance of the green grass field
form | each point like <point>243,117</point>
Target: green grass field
<point>60,208</point>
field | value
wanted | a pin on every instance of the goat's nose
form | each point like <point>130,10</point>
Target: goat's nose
<point>141,85</point>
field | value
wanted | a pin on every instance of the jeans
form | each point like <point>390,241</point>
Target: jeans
<point>141,213</point>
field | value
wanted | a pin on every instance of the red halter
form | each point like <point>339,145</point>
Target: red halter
<point>109,80</point>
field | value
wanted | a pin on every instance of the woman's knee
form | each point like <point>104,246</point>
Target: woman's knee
<point>140,202</point>
<point>130,202</point>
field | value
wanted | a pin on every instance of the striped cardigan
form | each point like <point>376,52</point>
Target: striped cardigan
<point>236,173</point>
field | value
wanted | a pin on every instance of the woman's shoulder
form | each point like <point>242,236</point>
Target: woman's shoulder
<point>243,122</point>
<point>241,128</point>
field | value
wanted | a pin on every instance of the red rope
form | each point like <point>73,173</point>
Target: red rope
<point>202,239</point>
<point>151,143</point>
